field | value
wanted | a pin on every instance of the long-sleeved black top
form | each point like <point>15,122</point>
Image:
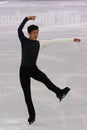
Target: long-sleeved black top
<point>30,48</point>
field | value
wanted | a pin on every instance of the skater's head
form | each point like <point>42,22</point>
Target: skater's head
<point>33,31</point>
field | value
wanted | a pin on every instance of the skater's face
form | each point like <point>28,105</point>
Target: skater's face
<point>34,34</point>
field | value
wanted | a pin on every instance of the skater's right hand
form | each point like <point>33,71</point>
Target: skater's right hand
<point>31,17</point>
<point>76,40</point>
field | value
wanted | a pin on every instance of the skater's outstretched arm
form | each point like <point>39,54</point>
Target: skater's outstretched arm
<point>20,32</point>
<point>44,43</point>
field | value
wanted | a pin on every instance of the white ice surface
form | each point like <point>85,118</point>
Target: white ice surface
<point>65,64</point>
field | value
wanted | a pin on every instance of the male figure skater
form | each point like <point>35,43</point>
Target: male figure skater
<point>28,68</point>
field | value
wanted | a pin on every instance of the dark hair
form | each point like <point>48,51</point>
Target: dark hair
<point>31,28</point>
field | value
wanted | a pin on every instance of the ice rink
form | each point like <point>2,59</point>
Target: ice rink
<point>64,63</point>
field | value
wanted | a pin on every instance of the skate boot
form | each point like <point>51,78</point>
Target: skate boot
<point>31,120</point>
<point>63,93</point>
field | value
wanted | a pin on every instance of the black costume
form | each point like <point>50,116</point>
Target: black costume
<point>28,69</point>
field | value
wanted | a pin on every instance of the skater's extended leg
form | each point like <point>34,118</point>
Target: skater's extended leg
<point>25,84</point>
<point>42,77</point>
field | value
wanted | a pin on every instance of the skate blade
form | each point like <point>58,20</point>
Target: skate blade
<point>30,123</point>
<point>64,95</point>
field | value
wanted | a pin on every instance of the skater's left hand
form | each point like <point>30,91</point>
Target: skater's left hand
<point>76,40</point>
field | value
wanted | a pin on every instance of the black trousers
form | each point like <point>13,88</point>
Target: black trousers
<point>25,73</point>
